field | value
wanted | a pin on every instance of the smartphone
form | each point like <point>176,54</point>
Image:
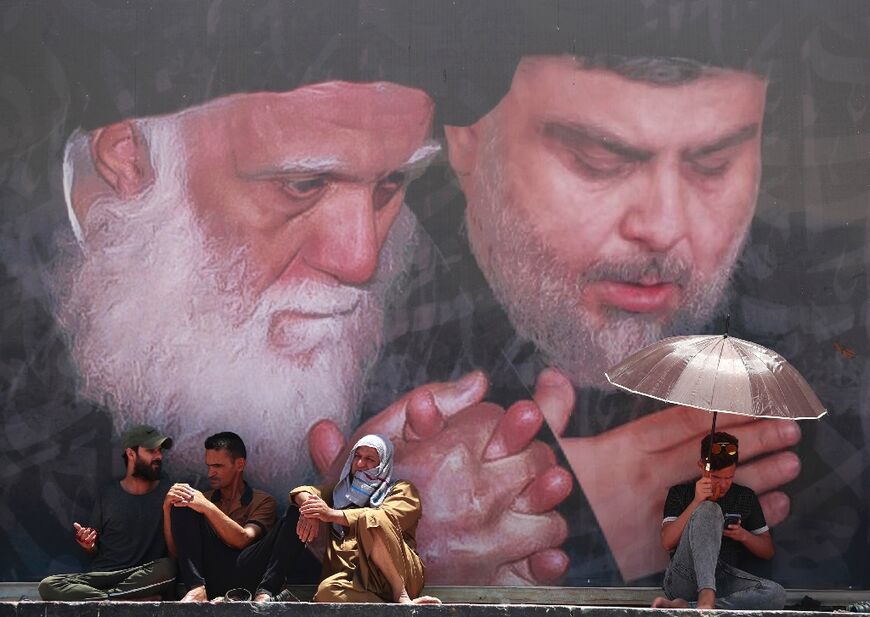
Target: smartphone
<point>733,519</point>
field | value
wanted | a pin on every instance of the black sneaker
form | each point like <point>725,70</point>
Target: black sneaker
<point>285,595</point>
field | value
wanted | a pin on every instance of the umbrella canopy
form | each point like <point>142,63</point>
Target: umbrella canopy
<point>718,373</point>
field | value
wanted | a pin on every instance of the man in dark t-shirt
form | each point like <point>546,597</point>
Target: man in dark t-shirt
<point>125,533</point>
<point>706,526</point>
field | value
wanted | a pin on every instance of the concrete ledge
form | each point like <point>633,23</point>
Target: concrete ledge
<point>497,597</point>
<point>176,609</point>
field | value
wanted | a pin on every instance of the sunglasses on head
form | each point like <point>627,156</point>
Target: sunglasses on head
<point>724,446</point>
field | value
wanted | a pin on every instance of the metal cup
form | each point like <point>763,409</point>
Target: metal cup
<point>239,594</point>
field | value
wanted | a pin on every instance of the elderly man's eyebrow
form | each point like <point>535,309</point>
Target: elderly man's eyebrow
<point>734,138</point>
<point>339,167</point>
<point>422,156</point>
<point>574,135</point>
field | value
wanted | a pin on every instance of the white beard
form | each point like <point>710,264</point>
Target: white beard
<point>162,332</point>
<point>540,292</point>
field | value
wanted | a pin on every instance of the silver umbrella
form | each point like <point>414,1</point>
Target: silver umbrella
<point>718,373</point>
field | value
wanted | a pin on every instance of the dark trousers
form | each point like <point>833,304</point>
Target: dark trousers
<point>154,578</point>
<point>204,559</point>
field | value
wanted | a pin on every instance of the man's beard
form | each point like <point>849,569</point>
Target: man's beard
<point>164,333</point>
<point>541,293</point>
<point>146,471</point>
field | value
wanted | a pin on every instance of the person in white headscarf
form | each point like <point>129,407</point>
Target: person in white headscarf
<point>371,554</point>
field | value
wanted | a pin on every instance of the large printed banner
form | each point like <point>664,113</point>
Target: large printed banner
<point>440,221</point>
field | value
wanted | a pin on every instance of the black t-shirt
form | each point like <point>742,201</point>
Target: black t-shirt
<point>739,499</point>
<point>129,527</point>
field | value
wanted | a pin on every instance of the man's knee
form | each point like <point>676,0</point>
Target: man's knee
<point>164,568</point>
<point>377,523</point>
<point>48,588</point>
<point>330,591</point>
<point>291,516</point>
<point>774,596</point>
<point>183,515</point>
<point>708,512</point>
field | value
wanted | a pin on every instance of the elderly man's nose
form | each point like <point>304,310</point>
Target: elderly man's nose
<point>344,242</point>
<point>657,217</point>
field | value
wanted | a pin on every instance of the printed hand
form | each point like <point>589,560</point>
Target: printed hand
<point>625,473</point>
<point>86,537</point>
<point>488,490</point>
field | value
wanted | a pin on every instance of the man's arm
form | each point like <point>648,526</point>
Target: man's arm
<point>175,494</point>
<point>672,531</point>
<point>229,531</point>
<point>760,545</point>
<point>402,502</point>
<point>307,528</point>
<point>314,508</point>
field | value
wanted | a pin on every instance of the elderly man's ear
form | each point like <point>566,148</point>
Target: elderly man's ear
<point>121,159</point>
<point>463,144</point>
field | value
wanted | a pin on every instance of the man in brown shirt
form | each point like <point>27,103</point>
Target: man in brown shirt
<point>220,537</point>
<point>371,554</point>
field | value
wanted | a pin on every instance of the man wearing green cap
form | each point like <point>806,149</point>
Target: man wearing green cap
<point>125,532</point>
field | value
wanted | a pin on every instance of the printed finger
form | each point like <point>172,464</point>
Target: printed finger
<point>516,574</point>
<point>763,436</point>
<point>770,472</point>
<point>555,397</point>
<point>526,534</point>
<point>454,396</point>
<point>512,474</point>
<point>450,398</point>
<point>325,444</point>
<point>545,492</point>
<point>423,418</point>
<point>776,507</point>
<point>548,566</point>
<point>515,430</point>
<point>677,426</point>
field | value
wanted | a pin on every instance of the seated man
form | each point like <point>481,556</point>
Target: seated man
<point>222,537</point>
<point>125,532</point>
<point>707,526</point>
<point>371,553</point>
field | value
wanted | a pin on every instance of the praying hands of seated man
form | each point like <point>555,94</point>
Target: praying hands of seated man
<point>452,446</point>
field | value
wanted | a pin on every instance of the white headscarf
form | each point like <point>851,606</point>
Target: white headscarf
<point>365,488</point>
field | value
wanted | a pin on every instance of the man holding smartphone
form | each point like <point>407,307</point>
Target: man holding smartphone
<point>707,525</point>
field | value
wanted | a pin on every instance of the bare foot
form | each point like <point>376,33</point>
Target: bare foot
<point>661,602</point>
<point>404,598</point>
<point>263,596</point>
<point>197,594</point>
<point>706,598</point>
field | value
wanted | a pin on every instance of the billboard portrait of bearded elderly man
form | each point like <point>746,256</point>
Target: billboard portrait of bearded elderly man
<point>233,264</point>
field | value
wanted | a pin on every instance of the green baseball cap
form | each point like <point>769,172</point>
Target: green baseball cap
<point>145,436</point>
